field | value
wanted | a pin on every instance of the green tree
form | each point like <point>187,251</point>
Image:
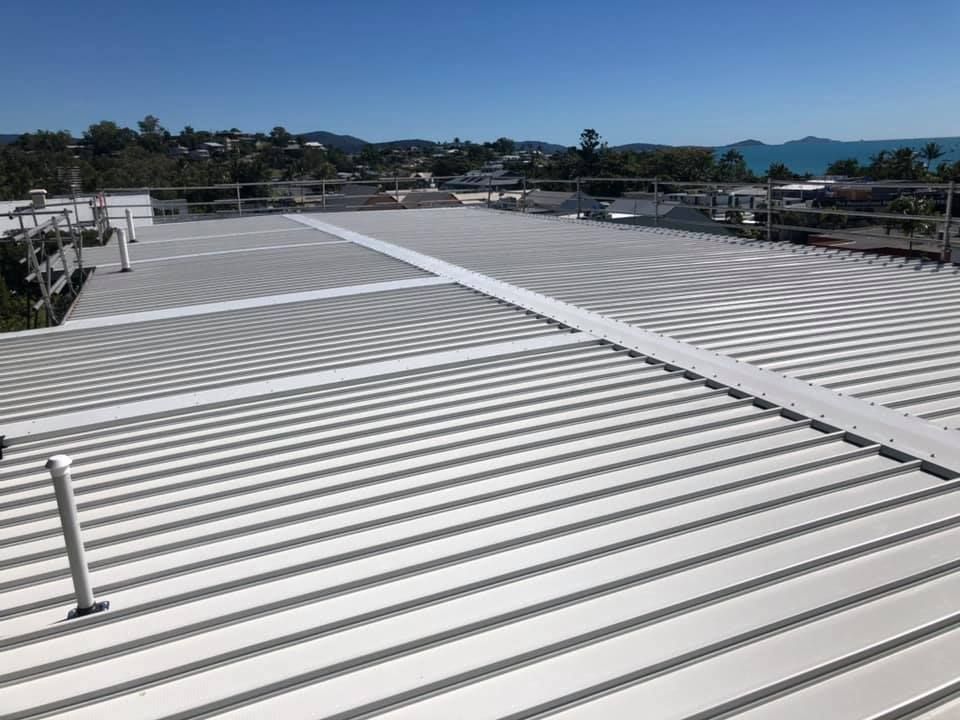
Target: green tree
<point>504,146</point>
<point>150,125</point>
<point>107,137</point>
<point>280,137</point>
<point>44,141</point>
<point>371,157</point>
<point>932,151</point>
<point>732,167</point>
<point>779,171</point>
<point>901,164</point>
<point>910,205</point>
<point>849,167</point>
<point>591,147</point>
<point>188,137</point>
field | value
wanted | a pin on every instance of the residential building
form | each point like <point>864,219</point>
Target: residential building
<point>561,203</point>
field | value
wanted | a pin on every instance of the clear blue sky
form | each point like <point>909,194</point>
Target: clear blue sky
<point>697,71</point>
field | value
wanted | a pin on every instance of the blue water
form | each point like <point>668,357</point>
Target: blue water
<point>815,157</point>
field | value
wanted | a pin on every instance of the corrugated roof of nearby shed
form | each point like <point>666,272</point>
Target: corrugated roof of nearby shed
<point>879,328</point>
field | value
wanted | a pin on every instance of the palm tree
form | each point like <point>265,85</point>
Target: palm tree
<point>931,151</point>
<point>903,165</point>
<point>779,171</point>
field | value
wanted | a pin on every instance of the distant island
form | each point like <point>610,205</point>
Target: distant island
<point>640,147</point>
<point>810,139</point>
<point>746,143</point>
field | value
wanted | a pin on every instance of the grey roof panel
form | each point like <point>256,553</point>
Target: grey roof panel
<point>372,549</point>
<point>187,280</point>
<point>425,502</point>
<point>146,249</point>
<point>79,369</point>
<point>823,316</point>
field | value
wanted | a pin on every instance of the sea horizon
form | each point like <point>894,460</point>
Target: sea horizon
<point>815,157</point>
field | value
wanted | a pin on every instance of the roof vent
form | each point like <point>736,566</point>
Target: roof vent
<point>59,467</point>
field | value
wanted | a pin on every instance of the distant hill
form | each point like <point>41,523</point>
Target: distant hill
<point>347,143</point>
<point>8,139</point>
<point>640,147</point>
<point>546,147</point>
<point>425,144</point>
<point>810,139</point>
<point>745,143</point>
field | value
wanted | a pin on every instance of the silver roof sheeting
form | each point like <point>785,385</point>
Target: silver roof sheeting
<point>194,280</point>
<point>76,369</point>
<point>571,531</point>
<point>880,328</point>
<point>414,499</point>
<point>196,244</point>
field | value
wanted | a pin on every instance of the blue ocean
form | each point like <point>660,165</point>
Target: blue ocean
<point>815,157</point>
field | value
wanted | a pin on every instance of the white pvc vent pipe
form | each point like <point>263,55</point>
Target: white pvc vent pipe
<point>124,251</point>
<point>131,230</point>
<point>59,467</point>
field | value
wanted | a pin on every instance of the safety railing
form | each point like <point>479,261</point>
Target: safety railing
<point>53,260</point>
<point>840,211</point>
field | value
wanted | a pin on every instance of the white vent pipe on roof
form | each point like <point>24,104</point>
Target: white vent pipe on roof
<point>59,467</point>
<point>131,230</point>
<point>124,251</point>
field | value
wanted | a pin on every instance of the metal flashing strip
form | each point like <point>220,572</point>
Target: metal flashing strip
<point>227,252</point>
<point>901,432</point>
<point>73,421</point>
<point>227,305</point>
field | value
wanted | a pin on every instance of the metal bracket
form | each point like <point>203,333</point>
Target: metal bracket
<point>95,608</point>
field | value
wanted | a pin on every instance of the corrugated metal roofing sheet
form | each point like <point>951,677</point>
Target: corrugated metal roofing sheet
<point>148,248</point>
<point>70,370</point>
<point>883,329</point>
<point>476,516</point>
<point>570,530</point>
<point>210,278</point>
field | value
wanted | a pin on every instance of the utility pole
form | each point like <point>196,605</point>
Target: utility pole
<point>769,209</point>
<point>947,254</point>
<point>656,202</point>
<point>579,197</point>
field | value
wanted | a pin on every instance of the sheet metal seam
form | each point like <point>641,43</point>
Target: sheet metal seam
<point>900,431</point>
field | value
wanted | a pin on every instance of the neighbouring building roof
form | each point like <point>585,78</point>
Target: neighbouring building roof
<point>360,197</point>
<point>502,466</point>
<point>495,179</point>
<point>415,200</point>
<point>561,201</point>
<point>676,216</point>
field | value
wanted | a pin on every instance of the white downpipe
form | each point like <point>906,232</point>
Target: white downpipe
<point>59,467</point>
<point>131,231</point>
<point>124,251</point>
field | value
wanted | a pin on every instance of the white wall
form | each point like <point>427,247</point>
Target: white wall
<point>115,203</point>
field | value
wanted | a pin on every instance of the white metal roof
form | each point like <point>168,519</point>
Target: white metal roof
<point>172,276</point>
<point>441,501</point>
<point>100,367</point>
<point>881,328</point>
<point>541,528</point>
